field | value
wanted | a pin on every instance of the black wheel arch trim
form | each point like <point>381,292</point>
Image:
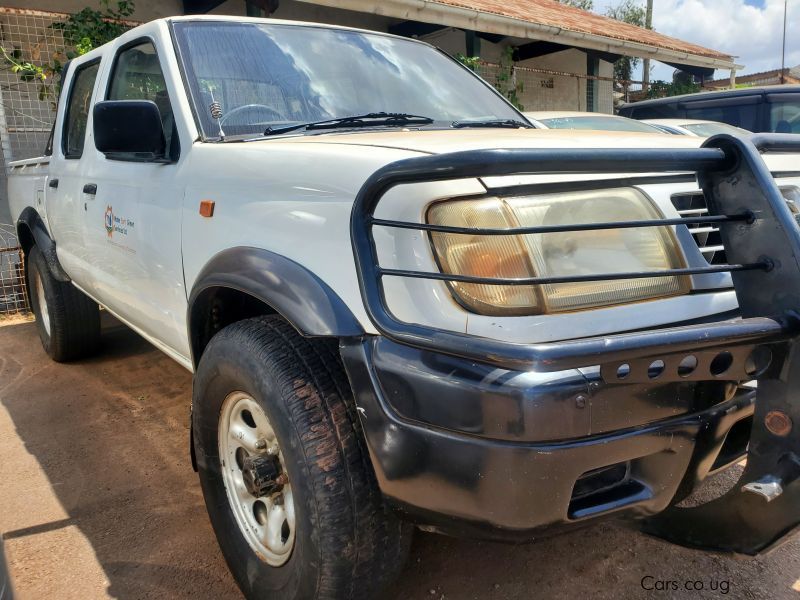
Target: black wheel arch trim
<point>37,234</point>
<point>289,288</point>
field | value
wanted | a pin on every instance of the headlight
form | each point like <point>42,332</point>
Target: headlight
<point>555,254</point>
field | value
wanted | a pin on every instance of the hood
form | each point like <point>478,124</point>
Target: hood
<point>450,140</point>
<point>444,141</point>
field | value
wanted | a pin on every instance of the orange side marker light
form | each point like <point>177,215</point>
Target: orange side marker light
<point>207,208</point>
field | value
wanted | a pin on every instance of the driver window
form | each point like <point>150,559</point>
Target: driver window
<point>137,75</point>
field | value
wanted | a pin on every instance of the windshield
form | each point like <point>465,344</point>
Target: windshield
<point>709,129</point>
<point>260,76</point>
<point>599,123</point>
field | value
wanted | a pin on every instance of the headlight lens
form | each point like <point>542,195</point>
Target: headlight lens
<point>556,254</point>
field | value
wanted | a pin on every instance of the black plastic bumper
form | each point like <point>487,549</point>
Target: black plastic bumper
<point>498,457</point>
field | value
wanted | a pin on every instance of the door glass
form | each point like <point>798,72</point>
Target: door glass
<point>137,75</point>
<point>784,117</point>
<point>78,106</point>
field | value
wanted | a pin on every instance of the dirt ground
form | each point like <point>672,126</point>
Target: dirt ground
<point>98,499</point>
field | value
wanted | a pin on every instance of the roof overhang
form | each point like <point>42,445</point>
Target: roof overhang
<point>465,18</point>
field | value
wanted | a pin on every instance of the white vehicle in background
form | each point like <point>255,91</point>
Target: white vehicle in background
<point>403,305</point>
<point>587,121</point>
<point>694,127</point>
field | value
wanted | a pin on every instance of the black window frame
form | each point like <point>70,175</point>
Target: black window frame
<point>73,77</point>
<point>113,71</point>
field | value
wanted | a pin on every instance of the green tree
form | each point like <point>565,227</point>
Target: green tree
<point>582,4</point>
<point>628,11</point>
<point>662,89</point>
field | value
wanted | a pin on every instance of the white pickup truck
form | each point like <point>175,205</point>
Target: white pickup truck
<point>404,306</point>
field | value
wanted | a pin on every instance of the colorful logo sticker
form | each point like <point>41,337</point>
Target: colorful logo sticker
<point>109,220</point>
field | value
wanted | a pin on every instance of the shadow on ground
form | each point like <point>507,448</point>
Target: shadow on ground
<point>111,435</point>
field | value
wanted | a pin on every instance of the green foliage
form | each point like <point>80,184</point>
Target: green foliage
<point>470,61</point>
<point>628,11</point>
<point>91,28</point>
<point>505,82</point>
<point>582,4</point>
<point>82,32</point>
<point>662,89</point>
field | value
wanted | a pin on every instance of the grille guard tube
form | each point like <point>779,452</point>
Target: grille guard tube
<point>763,253</point>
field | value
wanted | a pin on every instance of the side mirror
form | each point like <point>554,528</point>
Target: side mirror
<point>129,130</point>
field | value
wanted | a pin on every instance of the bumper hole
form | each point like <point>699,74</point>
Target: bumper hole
<point>655,369</point>
<point>687,366</point>
<point>605,489</point>
<point>623,371</point>
<point>735,445</point>
<point>721,363</point>
<point>758,361</point>
<point>600,479</point>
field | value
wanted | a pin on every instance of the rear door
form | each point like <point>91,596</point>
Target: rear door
<point>64,197</point>
<point>132,222</point>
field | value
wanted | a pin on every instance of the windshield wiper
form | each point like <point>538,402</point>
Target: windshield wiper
<point>505,123</point>
<point>365,120</point>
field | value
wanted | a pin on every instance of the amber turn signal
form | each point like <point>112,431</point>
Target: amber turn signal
<point>207,208</point>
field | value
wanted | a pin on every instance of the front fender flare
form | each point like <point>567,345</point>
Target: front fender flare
<point>294,292</point>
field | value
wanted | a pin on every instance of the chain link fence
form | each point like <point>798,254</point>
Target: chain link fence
<point>27,112</point>
<point>13,289</point>
<point>27,108</point>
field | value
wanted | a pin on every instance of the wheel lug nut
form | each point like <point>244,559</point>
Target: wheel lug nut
<point>261,444</point>
<point>273,450</point>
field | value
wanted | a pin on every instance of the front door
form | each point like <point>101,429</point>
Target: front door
<point>133,226</point>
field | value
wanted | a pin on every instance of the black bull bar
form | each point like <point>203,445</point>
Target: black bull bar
<point>762,244</point>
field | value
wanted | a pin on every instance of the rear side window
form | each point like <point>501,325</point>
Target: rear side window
<point>78,105</point>
<point>744,116</point>
<point>654,111</point>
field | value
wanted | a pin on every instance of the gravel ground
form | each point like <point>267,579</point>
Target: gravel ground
<point>99,500</point>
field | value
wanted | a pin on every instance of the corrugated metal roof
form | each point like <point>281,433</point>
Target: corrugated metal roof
<point>554,14</point>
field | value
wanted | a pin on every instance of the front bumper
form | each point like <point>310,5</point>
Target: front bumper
<point>467,448</point>
<point>481,475</point>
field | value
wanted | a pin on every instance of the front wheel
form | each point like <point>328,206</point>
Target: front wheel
<point>285,473</point>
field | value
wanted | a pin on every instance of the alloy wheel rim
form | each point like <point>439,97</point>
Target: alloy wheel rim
<point>267,521</point>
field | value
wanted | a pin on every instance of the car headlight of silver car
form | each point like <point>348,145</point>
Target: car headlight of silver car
<point>560,254</point>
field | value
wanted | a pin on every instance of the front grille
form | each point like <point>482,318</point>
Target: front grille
<point>706,235</point>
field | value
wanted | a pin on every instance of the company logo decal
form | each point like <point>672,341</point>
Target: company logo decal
<point>109,220</point>
<point>117,229</point>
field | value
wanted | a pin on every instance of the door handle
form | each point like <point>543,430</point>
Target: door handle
<point>90,188</point>
<point>53,183</point>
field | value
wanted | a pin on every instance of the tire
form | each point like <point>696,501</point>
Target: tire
<point>346,544</point>
<point>67,320</point>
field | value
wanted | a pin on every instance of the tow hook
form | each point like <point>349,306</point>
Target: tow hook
<point>768,487</point>
<point>262,475</point>
<point>771,486</point>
